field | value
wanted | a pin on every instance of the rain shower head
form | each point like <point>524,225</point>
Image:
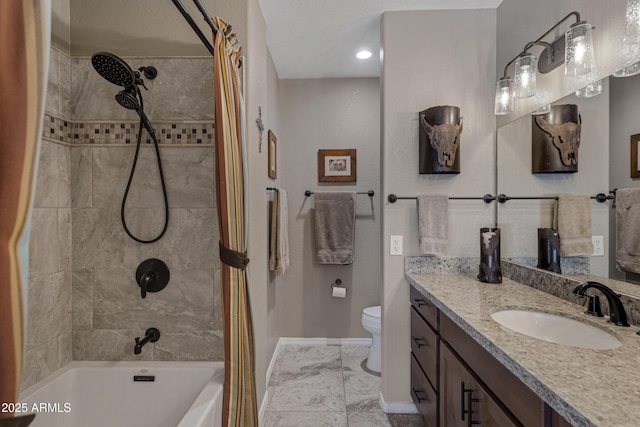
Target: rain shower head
<point>113,69</point>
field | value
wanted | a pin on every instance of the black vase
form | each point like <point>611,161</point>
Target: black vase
<point>490,269</point>
<point>549,250</point>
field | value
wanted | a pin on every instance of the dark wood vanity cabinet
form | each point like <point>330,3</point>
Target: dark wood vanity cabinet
<point>456,382</point>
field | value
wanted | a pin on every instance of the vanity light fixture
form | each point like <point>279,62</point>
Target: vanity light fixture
<point>363,54</point>
<point>574,49</point>
<point>632,23</point>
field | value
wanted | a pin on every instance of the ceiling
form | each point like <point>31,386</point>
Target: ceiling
<point>319,38</point>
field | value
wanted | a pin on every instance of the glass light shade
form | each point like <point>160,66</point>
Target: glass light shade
<point>525,76</point>
<point>628,71</point>
<point>578,51</point>
<point>504,96</point>
<point>542,110</point>
<point>590,90</point>
<point>632,23</point>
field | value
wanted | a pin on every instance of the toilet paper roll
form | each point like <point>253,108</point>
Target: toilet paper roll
<point>338,292</point>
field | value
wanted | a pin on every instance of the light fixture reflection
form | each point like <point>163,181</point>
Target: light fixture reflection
<point>541,110</point>
<point>628,71</point>
<point>504,96</point>
<point>590,90</point>
<point>363,54</point>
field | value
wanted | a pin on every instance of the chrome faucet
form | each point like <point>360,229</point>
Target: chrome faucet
<point>617,315</point>
<point>151,335</point>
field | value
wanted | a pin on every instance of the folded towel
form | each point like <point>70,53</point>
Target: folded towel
<point>572,221</point>
<point>628,229</point>
<point>433,223</point>
<point>279,233</point>
<point>334,220</point>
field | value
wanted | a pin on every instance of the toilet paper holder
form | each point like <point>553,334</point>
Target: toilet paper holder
<point>338,284</point>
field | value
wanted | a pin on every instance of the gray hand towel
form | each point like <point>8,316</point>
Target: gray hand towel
<point>572,221</point>
<point>334,220</point>
<point>628,229</point>
<point>433,223</point>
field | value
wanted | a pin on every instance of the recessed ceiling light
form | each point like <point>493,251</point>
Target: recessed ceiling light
<point>363,54</point>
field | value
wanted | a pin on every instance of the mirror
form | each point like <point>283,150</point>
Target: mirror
<point>608,123</point>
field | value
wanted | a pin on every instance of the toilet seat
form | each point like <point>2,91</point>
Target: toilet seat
<point>374,312</point>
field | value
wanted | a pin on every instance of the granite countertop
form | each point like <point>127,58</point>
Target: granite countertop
<point>587,387</point>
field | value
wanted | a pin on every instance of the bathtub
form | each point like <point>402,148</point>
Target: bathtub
<point>123,394</point>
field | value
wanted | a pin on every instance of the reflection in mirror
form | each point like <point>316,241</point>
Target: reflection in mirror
<point>608,123</point>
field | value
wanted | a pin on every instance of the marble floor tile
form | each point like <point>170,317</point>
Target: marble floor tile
<point>353,355</point>
<point>320,392</point>
<point>299,361</point>
<point>327,385</point>
<point>297,419</point>
<point>368,419</point>
<point>362,392</point>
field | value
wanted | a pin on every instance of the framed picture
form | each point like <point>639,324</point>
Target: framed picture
<point>272,155</point>
<point>635,140</point>
<point>337,165</point>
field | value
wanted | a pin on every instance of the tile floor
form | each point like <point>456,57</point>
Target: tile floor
<point>327,385</point>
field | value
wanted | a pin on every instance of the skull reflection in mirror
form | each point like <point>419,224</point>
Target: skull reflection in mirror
<point>556,139</point>
<point>440,129</point>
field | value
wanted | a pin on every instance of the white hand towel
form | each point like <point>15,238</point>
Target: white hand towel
<point>279,233</point>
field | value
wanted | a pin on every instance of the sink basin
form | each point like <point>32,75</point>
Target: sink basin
<point>556,329</point>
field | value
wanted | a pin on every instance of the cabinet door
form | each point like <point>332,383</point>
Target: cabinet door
<point>463,401</point>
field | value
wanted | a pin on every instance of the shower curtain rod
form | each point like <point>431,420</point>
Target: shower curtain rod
<point>195,27</point>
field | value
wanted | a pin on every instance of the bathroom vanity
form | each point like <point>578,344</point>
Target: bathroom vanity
<point>467,369</point>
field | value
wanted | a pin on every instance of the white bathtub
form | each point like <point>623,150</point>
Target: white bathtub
<point>104,394</point>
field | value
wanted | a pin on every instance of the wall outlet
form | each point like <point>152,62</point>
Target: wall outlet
<point>598,245</point>
<point>395,245</point>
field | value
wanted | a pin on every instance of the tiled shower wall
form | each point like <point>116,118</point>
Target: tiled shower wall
<point>84,300</point>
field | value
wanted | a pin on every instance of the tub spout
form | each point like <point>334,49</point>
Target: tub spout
<point>151,335</point>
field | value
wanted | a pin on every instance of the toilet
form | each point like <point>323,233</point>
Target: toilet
<point>372,323</point>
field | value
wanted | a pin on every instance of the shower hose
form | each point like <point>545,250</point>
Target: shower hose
<point>164,188</point>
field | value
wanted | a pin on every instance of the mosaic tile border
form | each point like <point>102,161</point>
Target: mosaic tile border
<point>104,133</point>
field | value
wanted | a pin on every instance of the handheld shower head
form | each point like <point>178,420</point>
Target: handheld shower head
<point>128,99</point>
<point>113,69</point>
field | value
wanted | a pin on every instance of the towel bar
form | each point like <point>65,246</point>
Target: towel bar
<point>369,193</point>
<point>600,197</point>
<point>487,198</point>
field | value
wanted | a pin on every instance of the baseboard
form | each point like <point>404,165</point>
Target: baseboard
<point>397,407</point>
<point>263,407</point>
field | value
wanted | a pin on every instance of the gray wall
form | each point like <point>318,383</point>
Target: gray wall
<point>455,65</point>
<point>328,114</point>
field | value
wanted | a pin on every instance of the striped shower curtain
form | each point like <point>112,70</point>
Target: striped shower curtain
<point>239,402</point>
<point>24,50</point>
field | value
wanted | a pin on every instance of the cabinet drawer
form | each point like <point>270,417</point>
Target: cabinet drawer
<point>424,345</point>
<point>424,307</point>
<point>523,403</point>
<point>424,397</point>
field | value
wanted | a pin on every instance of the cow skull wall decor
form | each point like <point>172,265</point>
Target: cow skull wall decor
<point>439,137</point>
<point>556,139</point>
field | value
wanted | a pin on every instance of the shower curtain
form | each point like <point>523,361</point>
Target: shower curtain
<point>24,50</point>
<point>239,402</point>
